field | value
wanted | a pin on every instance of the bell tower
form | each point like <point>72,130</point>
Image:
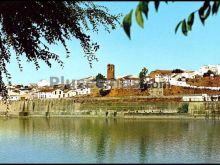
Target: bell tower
<point>110,72</point>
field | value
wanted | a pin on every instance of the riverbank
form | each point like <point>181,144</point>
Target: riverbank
<point>126,107</point>
<point>134,117</point>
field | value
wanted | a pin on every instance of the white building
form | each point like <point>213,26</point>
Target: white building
<point>197,97</point>
<point>69,93</point>
<point>129,80</point>
<point>188,74</point>
<point>50,94</point>
<point>213,68</point>
<point>83,91</point>
<point>13,95</point>
<point>44,94</point>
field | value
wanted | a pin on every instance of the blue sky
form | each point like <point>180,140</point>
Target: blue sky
<point>155,47</point>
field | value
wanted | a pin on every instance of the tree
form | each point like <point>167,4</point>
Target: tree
<point>186,24</point>
<point>208,73</point>
<point>184,108</point>
<point>142,76</point>
<point>177,71</point>
<point>103,92</point>
<point>100,80</point>
<point>28,27</point>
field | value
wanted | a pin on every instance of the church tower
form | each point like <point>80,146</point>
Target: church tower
<point>110,72</point>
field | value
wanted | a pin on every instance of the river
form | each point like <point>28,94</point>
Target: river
<point>100,140</point>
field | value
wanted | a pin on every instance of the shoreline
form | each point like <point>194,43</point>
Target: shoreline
<point>131,109</point>
<point>135,117</point>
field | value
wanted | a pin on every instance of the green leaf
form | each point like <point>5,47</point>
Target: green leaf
<point>127,23</point>
<point>177,26</point>
<point>215,7</point>
<point>208,12</point>
<point>184,28</point>
<point>144,8</point>
<point>190,21</point>
<point>138,15</point>
<point>202,15</point>
<point>156,3</point>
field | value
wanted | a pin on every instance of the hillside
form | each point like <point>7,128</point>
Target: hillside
<point>205,81</point>
<point>176,90</point>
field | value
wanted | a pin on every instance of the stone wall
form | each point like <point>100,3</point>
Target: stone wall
<point>101,107</point>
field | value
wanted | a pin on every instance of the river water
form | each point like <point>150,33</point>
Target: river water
<point>99,140</point>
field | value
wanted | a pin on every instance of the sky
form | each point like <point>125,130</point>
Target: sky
<point>156,46</point>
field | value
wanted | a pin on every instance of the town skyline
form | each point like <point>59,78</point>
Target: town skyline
<point>65,80</point>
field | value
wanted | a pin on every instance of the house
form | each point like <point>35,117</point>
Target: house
<point>69,93</point>
<point>49,93</point>
<point>57,93</point>
<point>162,78</point>
<point>14,95</point>
<point>197,97</point>
<point>188,74</point>
<point>214,68</point>
<point>160,72</point>
<point>129,81</point>
<point>83,91</point>
<point>44,94</point>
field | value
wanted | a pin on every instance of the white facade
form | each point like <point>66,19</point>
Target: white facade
<point>70,93</point>
<point>162,78</point>
<point>44,95</point>
<point>14,97</point>
<point>190,75</point>
<point>178,83</point>
<point>159,78</point>
<point>213,68</point>
<point>195,97</point>
<point>58,93</point>
<point>201,97</point>
<point>83,91</point>
<point>50,94</point>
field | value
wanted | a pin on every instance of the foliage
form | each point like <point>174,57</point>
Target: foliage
<point>184,108</point>
<point>177,71</point>
<point>100,80</point>
<point>142,76</point>
<point>28,27</point>
<point>186,24</point>
<point>104,92</point>
<point>208,73</point>
<point>99,76</point>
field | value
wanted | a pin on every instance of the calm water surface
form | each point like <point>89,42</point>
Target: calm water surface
<point>91,140</point>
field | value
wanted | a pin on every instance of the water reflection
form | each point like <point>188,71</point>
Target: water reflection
<point>92,140</point>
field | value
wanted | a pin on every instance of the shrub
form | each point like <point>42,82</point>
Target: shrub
<point>184,108</point>
<point>177,71</point>
<point>208,73</point>
<point>104,92</point>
